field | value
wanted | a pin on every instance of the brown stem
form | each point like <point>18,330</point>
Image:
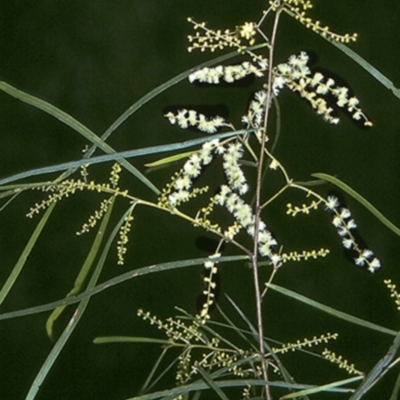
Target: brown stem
<point>258,209</point>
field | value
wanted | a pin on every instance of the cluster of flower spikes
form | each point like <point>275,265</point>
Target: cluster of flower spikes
<point>230,73</point>
<point>229,195</point>
<point>209,39</point>
<point>180,190</point>
<point>253,118</point>
<point>345,226</point>
<point>297,76</point>
<point>231,154</point>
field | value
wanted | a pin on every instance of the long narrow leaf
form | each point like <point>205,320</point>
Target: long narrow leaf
<point>120,156</point>
<point>79,281</point>
<point>74,124</point>
<point>53,111</point>
<point>149,383</point>
<point>154,93</point>
<point>129,339</point>
<point>57,348</point>
<point>323,388</point>
<point>396,390</point>
<point>236,329</point>
<point>25,254</point>
<point>378,369</point>
<point>170,159</point>
<point>117,280</point>
<point>331,311</point>
<point>337,182</point>
<point>367,66</point>
<point>209,381</point>
<point>181,390</point>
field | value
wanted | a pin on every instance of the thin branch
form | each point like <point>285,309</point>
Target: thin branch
<point>258,209</point>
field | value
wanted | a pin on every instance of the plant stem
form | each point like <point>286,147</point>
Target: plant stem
<point>258,209</point>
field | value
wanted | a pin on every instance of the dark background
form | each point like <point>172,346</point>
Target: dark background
<point>93,59</point>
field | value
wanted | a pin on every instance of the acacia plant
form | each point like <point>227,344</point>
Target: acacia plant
<point>215,357</point>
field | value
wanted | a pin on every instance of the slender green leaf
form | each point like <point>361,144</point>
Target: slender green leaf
<point>53,111</point>
<point>129,339</point>
<point>76,125</point>
<point>169,160</point>
<point>147,385</point>
<point>91,136</point>
<point>181,390</point>
<point>238,331</point>
<point>116,281</point>
<point>378,370</point>
<point>209,381</point>
<point>25,254</point>
<point>152,94</point>
<point>367,66</point>
<point>79,281</point>
<point>396,390</point>
<point>332,311</point>
<point>120,156</point>
<point>323,388</point>
<point>337,182</point>
<point>59,345</point>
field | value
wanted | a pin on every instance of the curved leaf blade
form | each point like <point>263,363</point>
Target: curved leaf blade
<point>25,254</point>
<point>117,280</point>
<point>120,156</point>
<point>75,125</point>
<point>331,311</point>
<point>59,345</point>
